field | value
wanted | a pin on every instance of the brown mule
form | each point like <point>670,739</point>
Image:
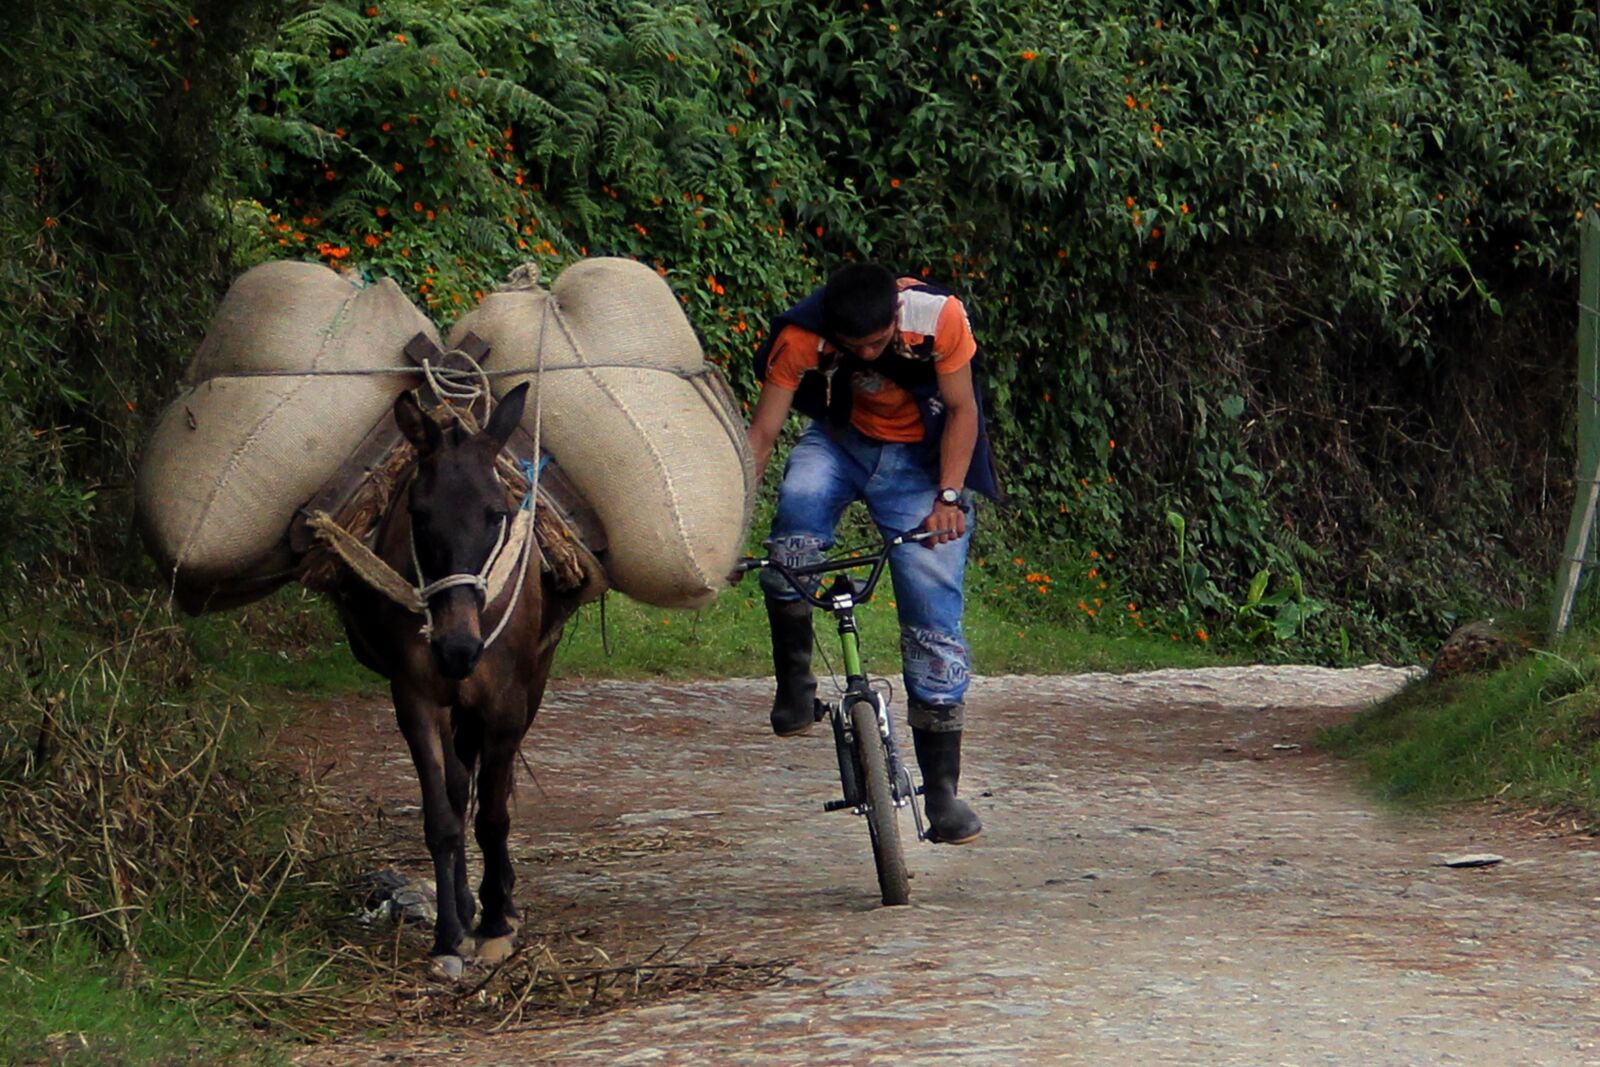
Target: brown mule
<point>462,706</point>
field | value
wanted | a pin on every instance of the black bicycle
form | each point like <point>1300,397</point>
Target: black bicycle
<point>875,780</point>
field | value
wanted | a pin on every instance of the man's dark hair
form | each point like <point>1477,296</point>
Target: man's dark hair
<point>859,300</point>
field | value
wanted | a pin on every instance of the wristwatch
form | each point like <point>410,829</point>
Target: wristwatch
<point>951,498</point>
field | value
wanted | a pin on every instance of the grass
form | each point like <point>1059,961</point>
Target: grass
<point>730,639</point>
<point>1058,616</point>
<point>1526,733</point>
<point>60,1003</point>
<point>161,882</point>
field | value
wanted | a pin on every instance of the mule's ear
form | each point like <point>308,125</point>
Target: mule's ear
<point>416,424</point>
<point>507,414</point>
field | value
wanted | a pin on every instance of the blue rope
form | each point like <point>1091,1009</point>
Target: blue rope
<point>530,474</point>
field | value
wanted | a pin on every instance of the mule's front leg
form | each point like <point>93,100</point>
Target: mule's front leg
<point>506,726</point>
<point>493,828</point>
<point>425,725</point>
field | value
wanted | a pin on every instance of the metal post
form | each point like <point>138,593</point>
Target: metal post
<point>1580,532</point>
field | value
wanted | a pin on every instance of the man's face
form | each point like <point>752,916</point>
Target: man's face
<point>871,346</point>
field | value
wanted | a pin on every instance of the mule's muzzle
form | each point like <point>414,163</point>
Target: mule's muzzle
<point>457,654</point>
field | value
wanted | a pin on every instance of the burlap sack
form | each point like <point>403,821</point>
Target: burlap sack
<point>239,450</point>
<point>634,415</point>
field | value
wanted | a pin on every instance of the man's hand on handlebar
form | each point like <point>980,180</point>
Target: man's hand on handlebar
<point>946,522</point>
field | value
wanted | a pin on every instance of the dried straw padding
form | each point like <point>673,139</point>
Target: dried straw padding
<point>233,456</point>
<point>632,413</point>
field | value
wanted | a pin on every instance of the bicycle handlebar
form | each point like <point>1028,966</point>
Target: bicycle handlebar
<point>875,560</point>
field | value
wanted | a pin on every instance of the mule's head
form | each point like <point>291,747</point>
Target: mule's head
<point>459,513</point>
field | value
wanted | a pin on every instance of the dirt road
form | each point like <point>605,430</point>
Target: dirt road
<point>1169,875</point>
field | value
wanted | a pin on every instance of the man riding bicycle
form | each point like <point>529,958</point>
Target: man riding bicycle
<point>883,366</point>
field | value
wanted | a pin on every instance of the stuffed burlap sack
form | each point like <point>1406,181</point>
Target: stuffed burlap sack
<point>647,431</point>
<point>246,444</point>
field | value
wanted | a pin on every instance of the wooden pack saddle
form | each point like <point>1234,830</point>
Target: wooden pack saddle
<point>571,540</point>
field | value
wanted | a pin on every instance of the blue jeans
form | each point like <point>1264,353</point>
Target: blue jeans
<point>898,483</point>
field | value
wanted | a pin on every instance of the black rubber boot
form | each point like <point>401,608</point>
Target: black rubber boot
<point>950,821</point>
<point>793,708</point>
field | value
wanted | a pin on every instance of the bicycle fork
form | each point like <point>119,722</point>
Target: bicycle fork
<point>857,690</point>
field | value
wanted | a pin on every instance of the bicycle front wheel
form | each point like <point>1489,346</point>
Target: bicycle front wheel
<point>882,817</point>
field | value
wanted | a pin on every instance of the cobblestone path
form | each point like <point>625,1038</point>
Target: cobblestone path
<point>1169,874</point>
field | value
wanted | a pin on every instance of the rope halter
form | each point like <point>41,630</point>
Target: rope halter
<point>507,562</point>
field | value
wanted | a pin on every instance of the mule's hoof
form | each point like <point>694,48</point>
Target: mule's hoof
<point>495,949</point>
<point>451,967</point>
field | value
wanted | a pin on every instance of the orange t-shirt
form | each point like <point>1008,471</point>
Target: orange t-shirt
<point>932,327</point>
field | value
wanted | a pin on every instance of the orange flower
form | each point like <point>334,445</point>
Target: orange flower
<point>1201,634</point>
<point>894,183</point>
<point>1129,201</point>
<point>1130,101</point>
<point>399,168</point>
<point>732,129</point>
<point>381,212</point>
<point>372,12</point>
<point>1030,56</point>
<point>372,240</point>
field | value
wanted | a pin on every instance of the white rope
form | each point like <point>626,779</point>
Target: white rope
<point>452,384</point>
<point>498,372</point>
<point>531,501</point>
<point>517,582</point>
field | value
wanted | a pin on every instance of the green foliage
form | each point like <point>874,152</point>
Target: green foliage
<point>109,160</point>
<point>1293,272</point>
<point>444,145</point>
<point>1268,268</point>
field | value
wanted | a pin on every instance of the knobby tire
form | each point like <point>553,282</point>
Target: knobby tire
<point>883,822</point>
